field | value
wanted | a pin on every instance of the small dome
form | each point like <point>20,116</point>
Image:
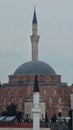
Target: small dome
<point>34,67</point>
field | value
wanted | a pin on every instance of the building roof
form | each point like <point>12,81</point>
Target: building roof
<point>2,118</point>
<point>34,67</point>
<point>10,118</point>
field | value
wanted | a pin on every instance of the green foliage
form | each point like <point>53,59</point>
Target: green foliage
<point>11,109</point>
<point>53,119</point>
<point>4,113</point>
<point>46,118</point>
<point>70,121</point>
<point>19,116</point>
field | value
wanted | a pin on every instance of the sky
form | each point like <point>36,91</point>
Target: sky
<point>55,27</point>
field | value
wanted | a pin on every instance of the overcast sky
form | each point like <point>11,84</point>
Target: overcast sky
<point>55,27</point>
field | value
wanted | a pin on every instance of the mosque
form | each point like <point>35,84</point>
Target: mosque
<point>54,95</point>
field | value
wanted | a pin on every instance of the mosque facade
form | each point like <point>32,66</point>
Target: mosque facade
<point>55,96</point>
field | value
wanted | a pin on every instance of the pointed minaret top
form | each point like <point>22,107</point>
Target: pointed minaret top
<point>36,86</point>
<point>34,17</point>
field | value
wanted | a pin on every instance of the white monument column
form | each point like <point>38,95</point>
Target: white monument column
<point>34,38</point>
<point>36,108</point>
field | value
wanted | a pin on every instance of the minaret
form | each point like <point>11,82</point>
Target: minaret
<point>36,109</point>
<point>34,38</point>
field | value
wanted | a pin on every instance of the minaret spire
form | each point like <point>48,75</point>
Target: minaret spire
<point>36,86</point>
<point>34,17</point>
<point>34,37</point>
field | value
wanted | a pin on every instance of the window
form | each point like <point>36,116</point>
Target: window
<point>12,99</point>
<point>15,91</point>
<point>4,101</point>
<point>51,99</point>
<point>49,79</point>
<point>44,91</point>
<point>55,91</point>
<point>20,99</point>
<point>8,91</point>
<point>60,100</point>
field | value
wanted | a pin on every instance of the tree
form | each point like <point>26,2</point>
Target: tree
<point>11,109</point>
<point>4,113</point>
<point>53,119</point>
<point>19,116</point>
<point>70,121</point>
<point>0,83</point>
<point>46,118</point>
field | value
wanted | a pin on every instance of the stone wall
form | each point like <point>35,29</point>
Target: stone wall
<point>55,94</point>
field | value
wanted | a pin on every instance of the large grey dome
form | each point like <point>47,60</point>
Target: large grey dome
<point>34,67</point>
